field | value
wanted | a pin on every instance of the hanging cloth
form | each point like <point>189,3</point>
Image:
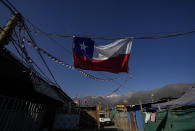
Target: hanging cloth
<point>147,118</point>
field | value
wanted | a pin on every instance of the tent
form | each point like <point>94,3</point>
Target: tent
<point>173,118</point>
<point>188,99</point>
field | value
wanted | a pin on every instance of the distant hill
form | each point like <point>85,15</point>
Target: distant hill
<point>171,91</point>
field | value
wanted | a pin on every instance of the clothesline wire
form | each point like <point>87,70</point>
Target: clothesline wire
<point>166,36</point>
<point>49,37</point>
<point>67,65</point>
<point>52,39</point>
<point>32,39</point>
<point>172,34</point>
<point>43,60</point>
<point>17,44</point>
<point>117,89</point>
<point>116,38</point>
<point>8,6</point>
<point>12,6</point>
<point>120,85</point>
<point>103,38</point>
<point>12,9</point>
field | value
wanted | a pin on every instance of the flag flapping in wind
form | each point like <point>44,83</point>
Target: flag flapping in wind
<point>112,57</point>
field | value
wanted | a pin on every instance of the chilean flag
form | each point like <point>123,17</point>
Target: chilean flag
<point>112,57</point>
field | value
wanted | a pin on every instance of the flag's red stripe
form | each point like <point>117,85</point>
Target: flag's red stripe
<point>115,64</point>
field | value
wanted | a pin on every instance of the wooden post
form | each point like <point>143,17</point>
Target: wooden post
<point>159,108</point>
<point>98,116</point>
<point>133,128</point>
<point>140,103</point>
<point>6,32</point>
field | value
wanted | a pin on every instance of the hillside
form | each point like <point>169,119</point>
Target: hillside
<point>170,91</point>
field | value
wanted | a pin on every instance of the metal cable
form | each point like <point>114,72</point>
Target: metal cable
<point>6,5</point>
<point>49,37</point>
<point>103,38</point>
<point>17,44</point>
<point>13,7</point>
<point>116,38</point>
<point>30,36</point>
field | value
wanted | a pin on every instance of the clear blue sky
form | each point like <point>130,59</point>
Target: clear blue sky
<point>153,63</point>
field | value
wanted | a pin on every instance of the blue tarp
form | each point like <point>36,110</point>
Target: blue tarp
<point>138,120</point>
<point>188,99</point>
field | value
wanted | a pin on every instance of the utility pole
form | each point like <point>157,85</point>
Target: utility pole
<point>6,32</point>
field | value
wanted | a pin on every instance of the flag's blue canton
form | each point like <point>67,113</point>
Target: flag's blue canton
<point>83,46</point>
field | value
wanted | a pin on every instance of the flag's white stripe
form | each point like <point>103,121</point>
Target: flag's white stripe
<point>103,52</point>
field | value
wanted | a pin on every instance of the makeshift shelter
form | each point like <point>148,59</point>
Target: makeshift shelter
<point>188,99</point>
<point>172,120</point>
<point>176,115</point>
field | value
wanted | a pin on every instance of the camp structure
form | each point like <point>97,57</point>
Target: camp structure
<point>175,115</point>
<point>136,103</point>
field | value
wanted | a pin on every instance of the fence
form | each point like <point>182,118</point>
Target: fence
<point>20,115</point>
<point>64,120</point>
<point>121,121</point>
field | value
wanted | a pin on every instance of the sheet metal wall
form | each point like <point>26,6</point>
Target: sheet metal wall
<point>20,115</point>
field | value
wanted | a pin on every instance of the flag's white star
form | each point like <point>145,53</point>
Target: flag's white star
<point>83,46</point>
